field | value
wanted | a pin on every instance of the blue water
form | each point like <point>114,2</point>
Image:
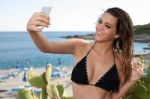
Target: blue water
<point>18,50</point>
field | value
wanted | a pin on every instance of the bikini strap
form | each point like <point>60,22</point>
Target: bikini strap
<point>114,56</point>
<point>91,48</point>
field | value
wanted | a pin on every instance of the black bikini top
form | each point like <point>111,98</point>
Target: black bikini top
<point>109,81</point>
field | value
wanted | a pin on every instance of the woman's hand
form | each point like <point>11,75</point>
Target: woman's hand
<point>37,22</point>
<point>137,71</point>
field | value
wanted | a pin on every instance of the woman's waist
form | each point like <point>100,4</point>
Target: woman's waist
<point>88,92</point>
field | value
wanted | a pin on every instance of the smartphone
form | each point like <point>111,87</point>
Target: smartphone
<point>46,10</point>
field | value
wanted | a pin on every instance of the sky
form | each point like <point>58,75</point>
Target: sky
<point>68,15</point>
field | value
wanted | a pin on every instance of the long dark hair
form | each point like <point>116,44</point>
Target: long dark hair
<point>124,43</point>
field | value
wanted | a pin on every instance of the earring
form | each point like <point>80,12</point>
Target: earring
<point>117,46</point>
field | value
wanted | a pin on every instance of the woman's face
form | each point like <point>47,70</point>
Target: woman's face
<point>106,28</point>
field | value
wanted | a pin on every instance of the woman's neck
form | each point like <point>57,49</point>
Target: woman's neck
<point>102,48</point>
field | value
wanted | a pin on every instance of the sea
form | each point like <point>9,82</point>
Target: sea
<point>17,50</point>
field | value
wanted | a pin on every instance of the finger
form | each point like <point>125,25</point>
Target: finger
<point>137,65</point>
<point>136,62</point>
<point>40,14</point>
<point>136,69</point>
<point>41,18</point>
<point>35,28</point>
<point>40,23</point>
<point>140,72</point>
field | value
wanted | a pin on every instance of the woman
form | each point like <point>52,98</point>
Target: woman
<point>103,68</point>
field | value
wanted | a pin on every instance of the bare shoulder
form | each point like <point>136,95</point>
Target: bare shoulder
<point>79,41</point>
<point>80,46</point>
<point>118,57</point>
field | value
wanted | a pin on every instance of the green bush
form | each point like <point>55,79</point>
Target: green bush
<point>48,90</point>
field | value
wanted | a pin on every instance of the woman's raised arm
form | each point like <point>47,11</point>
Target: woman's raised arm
<point>43,20</point>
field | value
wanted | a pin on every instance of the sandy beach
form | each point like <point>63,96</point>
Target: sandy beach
<point>8,86</point>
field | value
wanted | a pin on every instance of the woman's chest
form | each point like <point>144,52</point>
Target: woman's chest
<point>97,68</point>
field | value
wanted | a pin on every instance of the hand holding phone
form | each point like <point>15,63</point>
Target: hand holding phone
<point>46,10</point>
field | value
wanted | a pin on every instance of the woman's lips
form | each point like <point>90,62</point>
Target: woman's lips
<point>99,33</point>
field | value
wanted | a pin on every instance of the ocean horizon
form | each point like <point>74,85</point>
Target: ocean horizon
<point>17,50</point>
